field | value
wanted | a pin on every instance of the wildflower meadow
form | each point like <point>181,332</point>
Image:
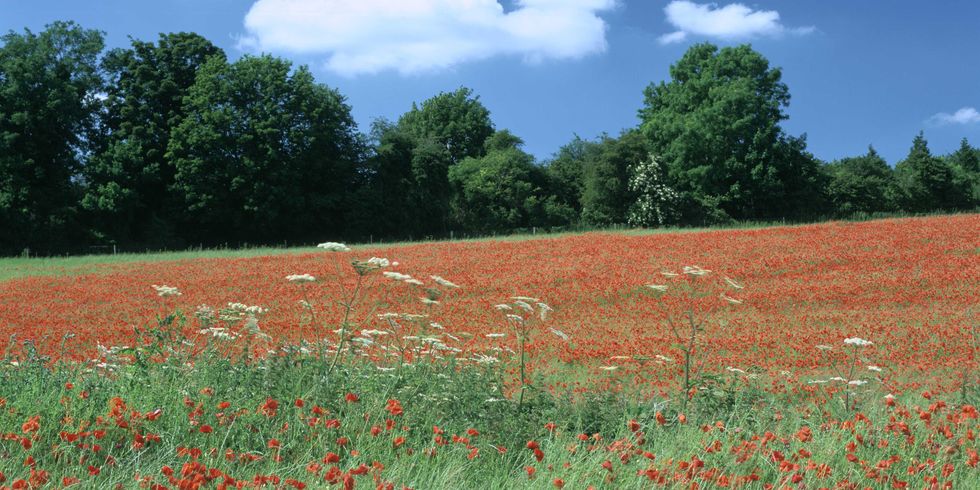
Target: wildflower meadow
<point>837,355</point>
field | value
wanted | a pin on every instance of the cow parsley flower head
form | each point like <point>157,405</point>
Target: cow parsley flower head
<point>300,278</point>
<point>444,282</point>
<point>857,342</point>
<point>166,291</point>
<point>333,247</point>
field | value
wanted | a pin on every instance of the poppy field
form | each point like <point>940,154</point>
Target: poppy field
<point>837,355</point>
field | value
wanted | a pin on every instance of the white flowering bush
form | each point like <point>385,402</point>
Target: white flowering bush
<point>656,202</point>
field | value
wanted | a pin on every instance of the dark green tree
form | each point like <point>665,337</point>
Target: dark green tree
<point>503,190</point>
<point>566,169</point>
<point>49,96</point>
<point>864,184</point>
<point>456,121</point>
<point>264,154</point>
<point>606,198</point>
<point>716,124</point>
<point>927,182</point>
<point>966,173</point>
<point>129,178</point>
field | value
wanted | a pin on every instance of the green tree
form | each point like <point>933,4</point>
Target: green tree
<point>264,154</point>
<point>49,86</point>
<point>656,202</point>
<point>716,124</point>
<point>927,183</point>
<point>129,179</point>
<point>606,197</point>
<point>864,184</point>
<point>456,121</point>
<point>966,173</point>
<point>503,190</point>
<point>566,169</point>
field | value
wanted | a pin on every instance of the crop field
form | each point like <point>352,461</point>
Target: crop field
<point>819,356</point>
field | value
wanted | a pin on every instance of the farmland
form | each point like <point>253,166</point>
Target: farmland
<point>715,358</point>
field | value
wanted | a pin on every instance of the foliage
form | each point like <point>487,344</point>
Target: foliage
<point>49,96</point>
<point>928,182</point>
<point>129,177</point>
<point>656,203</point>
<point>864,184</point>
<point>716,124</point>
<point>264,153</point>
<point>502,190</point>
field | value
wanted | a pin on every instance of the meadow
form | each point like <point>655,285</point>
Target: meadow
<point>836,355</point>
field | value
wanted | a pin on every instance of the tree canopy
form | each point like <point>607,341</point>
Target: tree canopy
<point>170,144</point>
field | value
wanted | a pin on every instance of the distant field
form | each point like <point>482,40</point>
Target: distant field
<point>892,280</point>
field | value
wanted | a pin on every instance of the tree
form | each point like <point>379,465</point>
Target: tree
<point>566,169</point>
<point>129,179</point>
<point>716,125</point>
<point>656,202</point>
<point>606,197</point>
<point>456,121</point>
<point>864,184</point>
<point>927,183</point>
<point>503,190</point>
<point>49,86</point>
<point>264,154</point>
<point>965,162</point>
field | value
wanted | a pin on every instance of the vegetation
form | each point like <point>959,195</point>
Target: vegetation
<point>619,371</point>
<point>170,145</point>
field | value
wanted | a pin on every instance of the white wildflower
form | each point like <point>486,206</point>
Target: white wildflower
<point>503,307</point>
<point>428,301</point>
<point>495,335</point>
<point>414,281</point>
<point>608,368</point>
<point>669,274</point>
<point>166,291</point>
<point>525,298</point>
<point>731,282</point>
<point>515,318</point>
<point>524,305</point>
<point>857,342</point>
<point>334,247</point>
<point>443,282</point>
<point>560,334</point>
<point>657,287</point>
<point>730,299</point>
<point>544,309</point>
<point>735,370</point>
<point>300,278</point>
<point>694,270</point>
<point>856,382</point>
<point>663,358</point>
<point>378,262</point>
<point>398,276</point>
<point>875,369</point>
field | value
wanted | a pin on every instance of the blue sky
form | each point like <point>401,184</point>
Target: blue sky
<point>860,72</point>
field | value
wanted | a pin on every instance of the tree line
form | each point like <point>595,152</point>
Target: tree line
<point>169,144</point>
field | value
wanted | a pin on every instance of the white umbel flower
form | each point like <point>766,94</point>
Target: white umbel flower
<point>857,342</point>
<point>657,287</point>
<point>300,278</point>
<point>166,291</point>
<point>333,247</point>
<point>444,282</point>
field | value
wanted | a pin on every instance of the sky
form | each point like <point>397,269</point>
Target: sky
<point>859,72</point>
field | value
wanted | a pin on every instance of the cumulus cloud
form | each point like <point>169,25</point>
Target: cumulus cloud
<point>368,36</point>
<point>733,21</point>
<point>966,115</point>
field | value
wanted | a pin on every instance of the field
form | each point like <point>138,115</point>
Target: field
<point>830,355</point>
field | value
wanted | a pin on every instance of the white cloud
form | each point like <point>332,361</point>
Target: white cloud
<point>368,36</point>
<point>733,21</point>
<point>966,115</point>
